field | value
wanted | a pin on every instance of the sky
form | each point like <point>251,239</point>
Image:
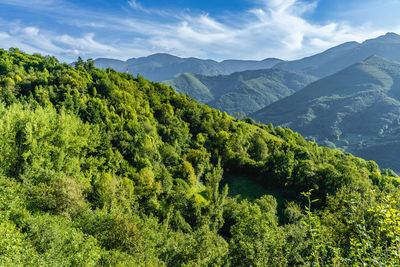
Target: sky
<point>215,29</point>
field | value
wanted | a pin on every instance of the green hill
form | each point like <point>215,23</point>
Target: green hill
<point>192,85</point>
<point>241,92</point>
<point>161,67</point>
<point>100,168</point>
<point>358,109</point>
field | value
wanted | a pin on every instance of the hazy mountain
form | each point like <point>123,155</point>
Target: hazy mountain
<point>344,55</point>
<point>160,67</point>
<point>357,109</point>
<point>104,63</point>
<point>241,92</point>
<point>231,66</point>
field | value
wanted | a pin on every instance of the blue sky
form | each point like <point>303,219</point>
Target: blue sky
<point>218,29</point>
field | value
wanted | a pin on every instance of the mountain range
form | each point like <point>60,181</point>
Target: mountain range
<point>357,109</point>
<point>252,90</point>
<point>160,67</point>
<point>344,55</point>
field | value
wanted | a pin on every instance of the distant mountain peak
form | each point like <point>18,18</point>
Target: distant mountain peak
<point>389,37</point>
<point>161,56</point>
<point>342,56</point>
<point>392,35</point>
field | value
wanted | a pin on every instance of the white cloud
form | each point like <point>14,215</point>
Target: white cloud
<point>273,28</point>
<point>33,40</point>
<point>84,44</point>
<point>31,31</point>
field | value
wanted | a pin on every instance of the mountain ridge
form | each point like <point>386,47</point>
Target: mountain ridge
<point>360,104</point>
<point>163,66</point>
<point>339,57</point>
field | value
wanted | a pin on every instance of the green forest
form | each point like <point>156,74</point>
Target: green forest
<point>101,168</point>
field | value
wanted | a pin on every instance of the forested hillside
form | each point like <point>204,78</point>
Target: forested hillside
<point>100,168</point>
<point>242,92</point>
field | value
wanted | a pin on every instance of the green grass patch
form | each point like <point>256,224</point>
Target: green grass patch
<point>246,188</point>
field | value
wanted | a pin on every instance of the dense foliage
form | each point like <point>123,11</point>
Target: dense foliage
<point>99,168</point>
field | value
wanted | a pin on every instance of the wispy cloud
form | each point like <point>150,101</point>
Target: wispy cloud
<point>137,6</point>
<point>271,28</point>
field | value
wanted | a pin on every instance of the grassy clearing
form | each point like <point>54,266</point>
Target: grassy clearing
<point>246,188</point>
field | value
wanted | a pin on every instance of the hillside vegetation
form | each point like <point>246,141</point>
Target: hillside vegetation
<point>99,168</point>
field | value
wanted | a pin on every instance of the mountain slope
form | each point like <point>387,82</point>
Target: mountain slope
<point>160,67</point>
<point>241,92</point>
<point>357,109</point>
<point>342,56</point>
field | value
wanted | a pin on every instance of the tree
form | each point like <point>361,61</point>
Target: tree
<point>79,62</point>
